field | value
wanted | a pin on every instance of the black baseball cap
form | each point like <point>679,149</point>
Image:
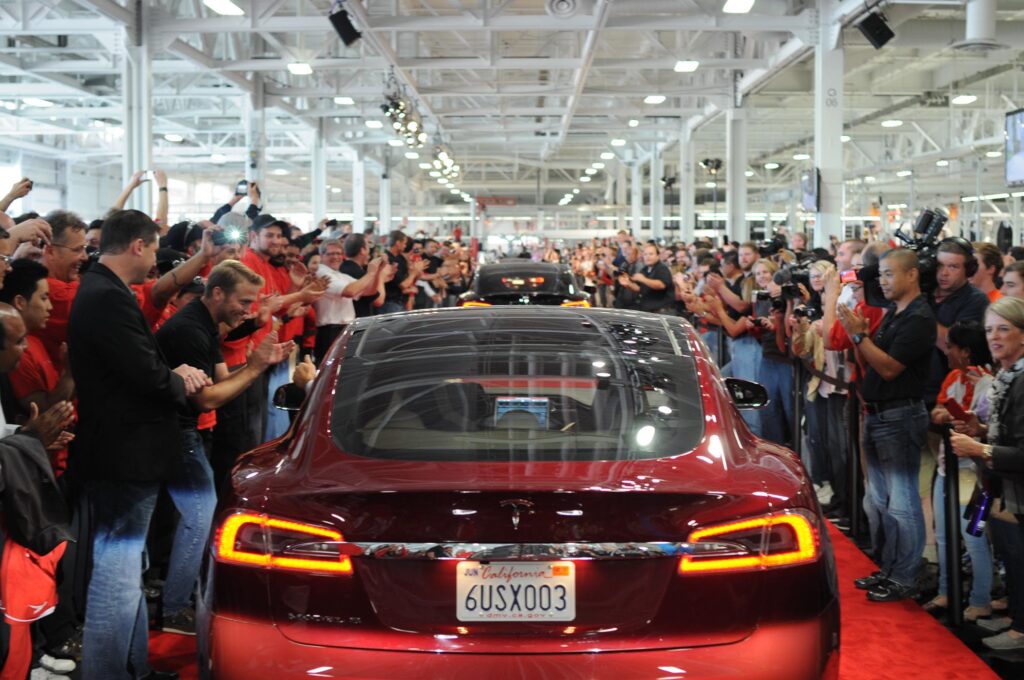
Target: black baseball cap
<point>263,221</point>
<point>168,258</point>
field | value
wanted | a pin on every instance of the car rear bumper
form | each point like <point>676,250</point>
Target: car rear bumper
<point>784,651</point>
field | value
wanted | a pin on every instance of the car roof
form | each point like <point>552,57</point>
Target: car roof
<point>523,267</point>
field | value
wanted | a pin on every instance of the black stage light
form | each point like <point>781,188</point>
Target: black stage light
<point>344,28</point>
<point>875,29</point>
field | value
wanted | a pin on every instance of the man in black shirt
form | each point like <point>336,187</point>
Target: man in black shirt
<point>357,257</point>
<point>394,290</point>
<point>656,291</point>
<point>192,337</point>
<point>897,360</point>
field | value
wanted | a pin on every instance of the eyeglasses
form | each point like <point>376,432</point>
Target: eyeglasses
<point>6,259</point>
<point>80,250</point>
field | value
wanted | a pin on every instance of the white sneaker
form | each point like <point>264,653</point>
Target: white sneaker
<point>824,493</point>
<point>52,663</point>
<point>43,674</point>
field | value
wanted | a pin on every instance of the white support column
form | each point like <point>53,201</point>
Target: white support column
<point>828,127</point>
<point>474,220</point>
<point>318,174</point>
<point>687,185</point>
<point>736,174</point>
<point>256,133</point>
<point>384,215</point>
<point>636,196</point>
<point>657,195</point>
<point>620,195</point>
<point>359,197</point>
<point>138,114</point>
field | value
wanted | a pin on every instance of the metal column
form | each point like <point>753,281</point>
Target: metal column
<point>256,133</point>
<point>620,195</point>
<point>137,97</point>
<point>687,185</point>
<point>359,197</point>
<point>384,216</point>
<point>828,127</point>
<point>318,174</point>
<point>657,195</point>
<point>636,197</point>
<point>736,177</point>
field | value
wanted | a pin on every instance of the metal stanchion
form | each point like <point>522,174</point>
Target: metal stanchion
<point>721,346</point>
<point>855,481</point>
<point>951,513</point>
<point>798,407</point>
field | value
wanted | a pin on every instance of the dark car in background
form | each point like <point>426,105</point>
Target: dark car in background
<point>520,493</point>
<point>519,282</point>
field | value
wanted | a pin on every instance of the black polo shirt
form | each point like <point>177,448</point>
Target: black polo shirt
<point>363,305</point>
<point>967,303</point>
<point>908,337</point>
<point>191,337</point>
<point>393,288</point>
<point>652,300</point>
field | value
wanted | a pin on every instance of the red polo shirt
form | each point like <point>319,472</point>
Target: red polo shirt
<point>62,294</point>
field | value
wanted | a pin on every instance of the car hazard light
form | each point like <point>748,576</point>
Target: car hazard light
<point>777,540</point>
<point>474,303</point>
<point>257,540</point>
<point>575,303</point>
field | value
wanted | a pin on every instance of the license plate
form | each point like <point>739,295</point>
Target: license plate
<point>515,591</point>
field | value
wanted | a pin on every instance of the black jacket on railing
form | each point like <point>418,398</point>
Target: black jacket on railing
<point>34,512</point>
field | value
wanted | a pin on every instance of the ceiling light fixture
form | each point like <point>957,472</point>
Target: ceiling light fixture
<point>224,8</point>
<point>654,99</point>
<point>993,154</point>
<point>686,66</point>
<point>844,139</point>
<point>618,142</point>
<point>575,191</point>
<point>218,158</point>
<point>633,122</point>
<point>801,157</point>
<point>412,155</point>
<point>396,142</point>
<point>892,123</point>
<point>280,171</point>
<point>771,165</point>
<point>904,173</point>
<point>737,6</point>
<point>608,155</point>
<point>344,101</point>
<point>374,124</point>
<point>300,68</point>
<point>869,179</point>
<point>711,185</point>
<point>942,163</point>
<point>963,99</point>
<point>599,166</point>
<point>335,190</point>
<point>175,138</point>
<point>749,173</point>
<point>585,178</point>
<point>36,102</point>
<point>425,166</point>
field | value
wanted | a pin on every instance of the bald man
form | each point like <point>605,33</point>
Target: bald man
<point>897,357</point>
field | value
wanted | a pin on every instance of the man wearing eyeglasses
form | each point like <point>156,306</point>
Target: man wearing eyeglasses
<point>63,256</point>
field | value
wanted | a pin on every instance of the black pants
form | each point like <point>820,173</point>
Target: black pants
<point>325,337</point>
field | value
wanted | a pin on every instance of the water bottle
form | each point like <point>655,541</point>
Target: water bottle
<point>977,512</point>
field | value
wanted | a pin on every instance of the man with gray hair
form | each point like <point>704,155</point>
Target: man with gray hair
<point>335,309</point>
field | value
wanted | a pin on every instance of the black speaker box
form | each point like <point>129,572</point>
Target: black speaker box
<point>344,28</point>
<point>875,29</point>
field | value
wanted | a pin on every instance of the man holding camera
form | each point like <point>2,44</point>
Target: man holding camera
<point>897,359</point>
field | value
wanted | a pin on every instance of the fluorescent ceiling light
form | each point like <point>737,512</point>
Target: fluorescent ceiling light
<point>171,137</point>
<point>396,142</point>
<point>442,180</point>
<point>591,171</point>
<point>869,179</point>
<point>963,99</point>
<point>942,164</point>
<point>585,178</point>
<point>454,191</point>
<point>686,66</point>
<point>904,173</point>
<point>425,166</point>
<point>575,191</point>
<point>844,139</point>
<point>218,158</point>
<point>280,171</point>
<point>737,6</point>
<point>374,124</point>
<point>608,155</point>
<point>771,166</point>
<point>435,173</point>
<point>224,7</point>
<point>344,101</point>
<point>599,166</point>
<point>300,68</point>
<point>633,122</point>
<point>412,155</point>
<point>993,154</point>
<point>892,123</point>
<point>654,99</point>
<point>38,103</point>
<point>710,185</point>
<point>335,190</point>
<point>801,157</point>
<point>749,173</point>
<point>618,142</point>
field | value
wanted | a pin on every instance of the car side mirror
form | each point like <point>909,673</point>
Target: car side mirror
<point>289,397</point>
<point>746,394</point>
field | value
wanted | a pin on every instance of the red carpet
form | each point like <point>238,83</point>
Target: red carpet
<point>895,641</point>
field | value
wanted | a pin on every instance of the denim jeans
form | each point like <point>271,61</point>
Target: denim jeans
<point>115,643</point>
<point>892,446</point>
<point>745,353</point>
<point>391,307</point>
<point>277,420</point>
<point>194,495</point>
<point>777,416</point>
<point>710,339</point>
<point>977,548</point>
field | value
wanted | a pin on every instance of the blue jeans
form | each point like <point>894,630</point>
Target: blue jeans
<point>390,307</point>
<point>745,352</point>
<point>977,548</point>
<point>115,643</point>
<point>893,440</point>
<point>195,497</point>
<point>277,420</point>
<point>777,416</point>
<point>710,339</point>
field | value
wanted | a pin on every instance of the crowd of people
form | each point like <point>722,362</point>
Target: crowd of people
<point>138,359</point>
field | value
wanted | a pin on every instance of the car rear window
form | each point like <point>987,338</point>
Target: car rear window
<point>516,387</point>
<point>512,282</point>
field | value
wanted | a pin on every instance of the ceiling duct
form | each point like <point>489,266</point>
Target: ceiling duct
<point>980,30</point>
<point>563,9</point>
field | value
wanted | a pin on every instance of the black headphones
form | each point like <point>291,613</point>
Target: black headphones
<point>971,264</point>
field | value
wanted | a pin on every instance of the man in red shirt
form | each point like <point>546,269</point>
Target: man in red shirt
<point>62,257</point>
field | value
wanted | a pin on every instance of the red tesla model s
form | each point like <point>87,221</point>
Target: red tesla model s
<point>520,492</point>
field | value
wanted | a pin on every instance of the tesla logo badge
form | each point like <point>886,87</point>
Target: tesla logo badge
<point>518,506</point>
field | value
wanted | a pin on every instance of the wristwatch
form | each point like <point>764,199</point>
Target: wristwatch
<point>858,338</point>
<point>986,451</point>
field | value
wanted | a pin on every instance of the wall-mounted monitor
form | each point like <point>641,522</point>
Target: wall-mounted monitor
<point>810,190</point>
<point>1015,148</point>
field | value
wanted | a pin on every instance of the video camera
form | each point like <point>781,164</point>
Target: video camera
<point>789,279</point>
<point>778,303</point>
<point>925,242</point>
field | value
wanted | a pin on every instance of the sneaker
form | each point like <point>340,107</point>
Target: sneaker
<point>183,622</point>
<point>972,614</point>
<point>824,492</point>
<point>1004,641</point>
<point>43,674</point>
<point>869,582</point>
<point>891,591</point>
<point>56,665</point>
<point>69,649</point>
<point>995,624</point>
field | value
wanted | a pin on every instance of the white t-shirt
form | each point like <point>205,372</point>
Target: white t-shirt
<point>333,308</point>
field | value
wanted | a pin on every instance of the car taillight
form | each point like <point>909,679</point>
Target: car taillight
<point>780,540</point>
<point>575,303</point>
<point>261,541</point>
<point>474,303</point>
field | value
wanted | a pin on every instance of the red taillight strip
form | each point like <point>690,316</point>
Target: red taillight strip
<point>228,534</point>
<point>474,303</point>
<point>576,303</point>
<point>803,530</point>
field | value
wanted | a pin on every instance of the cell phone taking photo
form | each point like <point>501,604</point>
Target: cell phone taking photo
<point>848,276</point>
<point>242,188</point>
